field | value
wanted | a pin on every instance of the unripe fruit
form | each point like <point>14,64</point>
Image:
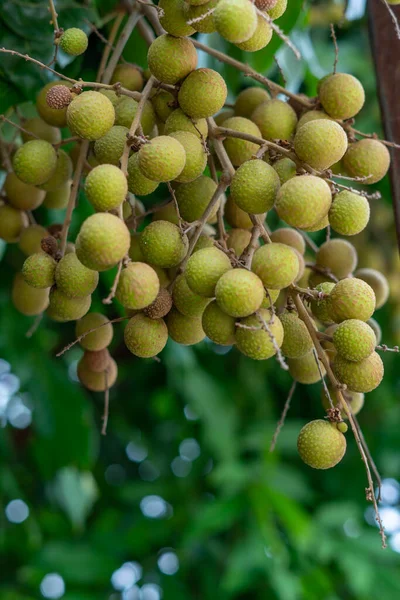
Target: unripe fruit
<point>58,96</point>
<point>162,159</point>
<point>223,115</point>
<point>265,4</point>
<point>160,306</point>
<point>277,11</point>
<point>196,2</point>
<point>194,197</point>
<point>137,182</point>
<point>235,20</point>
<point>305,369</point>
<point>352,299</point>
<point>74,41</point>
<point>363,376</point>
<point>260,38</point>
<point>12,222</point>
<point>170,59</point>
<point>163,244</point>
<point>204,241</point>
<point>74,279</point>
<point>339,256</point>
<point>57,117</point>
<point>296,340</point>
<point>187,302</point>
<point>303,201</point>
<point>285,168</point>
<point>354,340</point>
<point>240,151</point>
<point>290,237</point>
<point>59,198</point>
<point>277,265</point>
<point>321,445</point>
<point>312,115</point>
<point>164,104</point>
<point>342,96</point>
<point>96,361</point>
<point>321,308</point>
<point>349,213</point>
<point>128,76</point>
<point>109,148</point>
<point>257,343</point>
<point>22,195</point>
<point>102,242</point>
<point>184,330</point>
<point>138,286</point>
<point>112,96</point>
<point>30,239</point>
<point>196,157</point>
<point>62,173</point>
<point>206,24</point>
<point>178,121</point>
<point>203,270</point>
<point>238,240</point>
<point>255,186</point>
<point>97,381</point>
<point>106,187</point>
<point>239,292</point>
<point>40,130</point>
<point>90,115</point>
<point>63,309</point>
<point>320,143</point>
<point>355,401</point>
<point>202,94</point>
<point>248,100</point>
<point>270,298</point>
<point>174,18</point>
<point>28,300</point>
<point>235,216</point>
<point>319,225</point>
<point>367,158</point>
<point>135,253</point>
<point>34,162</point>
<point>126,110</point>
<point>378,282</point>
<point>98,339</point>
<point>218,326</point>
<point>38,270</point>
<point>276,120</point>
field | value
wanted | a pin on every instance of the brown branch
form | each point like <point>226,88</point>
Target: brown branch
<point>78,339</point>
<point>123,38</point>
<point>279,355</point>
<point>281,421</point>
<point>107,50</point>
<point>35,325</point>
<point>279,33</point>
<point>106,405</point>
<point>18,127</point>
<point>371,460</point>
<point>6,161</point>
<point>373,136</point>
<point>310,242</point>
<point>333,36</point>
<point>247,254</point>
<point>145,31</point>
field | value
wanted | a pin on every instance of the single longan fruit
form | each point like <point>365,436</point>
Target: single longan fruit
<point>39,270</point>
<point>28,300</point>
<point>90,115</point>
<point>363,376</point>
<point>203,270</point>
<point>187,302</point>
<point>196,157</point>
<point>184,330</point>
<point>352,299</point>
<point>290,237</point>
<point>102,242</point>
<point>349,213</point>
<point>275,119</point>
<point>206,24</point>
<point>235,216</point>
<point>161,306</point>
<point>305,369</point>
<point>57,117</point>
<point>218,326</point>
<point>223,115</point>
<point>260,38</point>
<point>248,100</point>
<point>321,308</point>
<point>321,445</point>
<point>257,343</point>
<point>74,279</point>
<point>270,298</point>
<point>98,339</point>
<point>194,197</point>
<point>63,309</point>
<point>235,20</point>
<point>40,129</point>
<point>109,148</point>
<point>255,186</point>
<point>339,256</point>
<point>30,239</point>
<point>204,241</point>
<point>61,175</point>
<point>367,158</point>
<point>285,168</point>
<point>239,292</point>
<point>355,401</point>
<point>171,59</point>
<point>21,195</point>
<point>238,240</point>
<point>106,187</point>
<point>303,201</point>
<point>129,77</point>
<point>12,222</point>
<point>341,95</point>
<point>162,159</point>
<point>126,110</point>
<point>74,41</point>
<point>58,96</point>
<point>277,11</point>
<point>97,381</point>
<point>354,340</point>
<point>164,104</point>
<point>138,286</point>
<point>163,244</point>
<point>35,162</point>
<point>202,94</point>
<point>59,198</point>
<point>240,151</point>
<point>378,282</point>
<point>312,115</point>
<point>277,265</point>
<point>178,121</point>
<point>320,143</point>
<point>296,340</point>
<point>137,182</point>
<point>174,18</point>
<point>96,361</point>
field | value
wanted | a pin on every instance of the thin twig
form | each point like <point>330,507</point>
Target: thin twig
<point>279,355</point>
<point>78,339</point>
<point>333,36</point>
<point>106,404</point>
<point>107,50</point>
<point>281,421</point>
<point>385,348</point>
<point>247,254</point>
<point>34,326</point>
<point>326,390</point>
<point>145,31</point>
<point>175,201</point>
<point>371,460</point>
<point>18,127</point>
<point>120,45</point>
<point>6,161</point>
<point>279,33</point>
<point>310,243</point>
<point>373,136</point>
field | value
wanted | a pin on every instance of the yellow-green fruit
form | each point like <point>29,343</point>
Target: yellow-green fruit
<point>238,240</point>
<point>53,116</point>
<point>61,174</point>
<point>137,182</point>
<point>187,302</point>
<point>202,94</point>
<point>39,269</point>
<point>163,244</point>
<point>102,242</point>
<point>278,10</point>
<point>40,129</point>
<point>341,95</point>
<point>98,339</point>
<point>378,282</point>
<point>276,120</point>
<point>174,18</point>
<point>303,201</point>
<point>285,168</point>
<point>167,213</point>
<point>170,59</point>
<point>363,376</point>
<point>22,195</point>
<point>277,265</point>
<point>354,340</point>
<point>248,100</point>
<point>203,270</point>
<point>376,329</point>
<point>367,158</point>
<point>239,292</point>
<point>126,110</point>
<point>320,143</point>
<point>138,286</point>
<point>349,213</point>
<point>338,256</point>
<point>12,222</point>
<point>28,300</point>
<point>135,252</point>
<point>97,381</point>
<point>235,20</point>
<point>258,344</point>
<point>222,116</point>
<point>355,401</point>
<point>270,297</point>
<point>162,159</point>
<point>321,308</point>
<point>218,326</point>
<point>30,239</point>
<point>255,186</point>
<point>319,225</point>
<point>178,121</point>
<point>35,162</point>
<point>63,309</point>
<point>184,330</point>
<point>206,24</point>
<point>59,198</point>
<point>112,96</point>
<point>235,216</point>
<point>290,237</point>
<point>194,197</point>
<point>74,41</point>
<point>196,157</point>
<point>296,340</point>
<point>352,299</point>
<point>238,150</point>
<point>74,279</point>
<point>312,115</point>
<point>305,369</point>
<point>106,187</point>
<point>90,115</point>
<point>260,38</point>
<point>204,241</point>
<point>128,76</point>
<point>109,148</point>
<point>321,445</point>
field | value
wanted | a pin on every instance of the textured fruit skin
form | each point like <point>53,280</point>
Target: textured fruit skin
<point>21,195</point>
<point>59,198</point>
<point>58,96</point>
<point>363,376</point>
<point>312,115</point>
<point>339,256</point>
<point>74,279</point>
<point>184,330</point>
<point>203,270</point>
<point>162,244</point>
<point>349,213</point>
<point>99,339</point>
<point>240,151</point>
<point>191,11</point>
<point>260,38</point>
<point>290,237</point>
<point>34,162</point>
<point>178,121</point>
<point>257,344</point>
<point>277,265</point>
<point>161,306</point>
<point>296,340</point>
<point>196,158</point>
<point>321,445</point>
<point>90,115</point>
<point>235,20</point>
<point>342,96</point>
<point>320,143</point>
<point>174,18</point>
<point>187,302</point>
<point>12,222</point>
<point>30,238</point>
<point>38,270</point>
<point>96,361</point>
<point>376,328</point>
<point>367,158</point>
<point>106,187</point>
<point>194,197</point>
<point>97,381</point>
<point>321,224</point>
<point>278,10</point>
<point>128,76</point>
<point>102,242</point>
<point>355,401</point>
<point>275,119</point>
<point>303,201</point>
<point>61,174</point>
<point>63,309</point>
<point>53,116</point>
<point>235,216</point>
<point>28,300</point>
<point>137,182</point>
<point>352,299</point>
<point>255,186</point>
<point>305,369</point>
<point>378,282</point>
<point>248,100</point>
<point>321,308</point>
<point>41,130</point>
<point>202,94</point>
<point>239,292</point>
<point>204,241</point>
<point>109,148</point>
<point>269,298</point>
<point>170,59</point>
<point>238,240</point>
<point>138,286</point>
<point>74,41</point>
<point>162,159</point>
<point>354,340</point>
<point>218,326</point>
<point>285,168</point>
<point>125,112</point>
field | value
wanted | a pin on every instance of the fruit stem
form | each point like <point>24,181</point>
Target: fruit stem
<point>78,339</point>
<point>120,45</point>
<point>107,50</point>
